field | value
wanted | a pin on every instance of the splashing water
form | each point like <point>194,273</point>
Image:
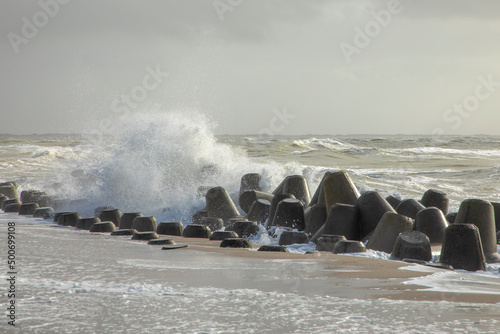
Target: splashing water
<point>155,164</point>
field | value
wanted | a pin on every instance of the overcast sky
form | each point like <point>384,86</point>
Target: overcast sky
<point>335,67</point>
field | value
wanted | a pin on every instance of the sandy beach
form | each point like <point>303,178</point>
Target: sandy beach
<point>386,276</point>
<point>73,281</point>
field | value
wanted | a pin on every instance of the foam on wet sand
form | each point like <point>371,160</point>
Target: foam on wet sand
<point>73,279</point>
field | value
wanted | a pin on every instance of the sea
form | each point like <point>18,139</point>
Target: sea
<point>156,164</point>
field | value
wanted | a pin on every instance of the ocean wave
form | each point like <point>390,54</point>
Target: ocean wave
<point>433,150</point>
<point>328,143</point>
<point>331,144</point>
<point>303,152</point>
<point>51,153</point>
<point>259,140</point>
<point>156,162</point>
<point>22,148</point>
<point>31,151</point>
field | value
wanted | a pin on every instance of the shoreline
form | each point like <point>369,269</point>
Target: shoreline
<point>351,267</point>
<point>360,276</point>
<point>95,282</point>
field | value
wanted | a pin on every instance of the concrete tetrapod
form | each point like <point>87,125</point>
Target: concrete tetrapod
<point>462,248</point>
<point>432,222</point>
<point>10,201</point>
<point>199,215</point>
<point>31,196</point>
<point>2,198</point>
<point>343,219</point>
<point>57,214</point>
<point>150,235</point>
<point>161,242</point>
<point>387,231</point>
<point>297,186</point>
<point>46,201</point>
<point>221,235</point>
<point>86,223</point>
<point>413,245</point>
<point>349,246</point>
<point>247,198</point>
<point>290,213</point>
<point>339,188</point>
<point>103,227</point>
<point>112,215</point>
<point>13,207</point>
<point>9,183</point>
<point>170,228</point>
<point>144,224</point>
<point>126,220</point>
<point>68,219</point>
<point>259,211</point>
<point>480,213</point>
<point>436,199</point>
<point>450,217</point>
<point>9,191</point>
<point>274,204</point>
<point>269,248</point>
<point>174,246</point>
<point>327,242</point>
<point>27,209</point>
<point>496,209</point>
<point>235,243</point>
<point>234,220</point>
<point>315,217</point>
<point>371,207</point>
<point>291,237</point>
<point>220,204</point>
<point>45,213</point>
<point>244,228</point>
<point>249,181</point>
<point>167,244</point>
<point>124,232</point>
<point>393,201</point>
<point>319,194</point>
<point>409,208</point>
<point>279,188</point>
<point>197,231</point>
<point>99,209</point>
<point>314,238</point>
<point>215,224</point>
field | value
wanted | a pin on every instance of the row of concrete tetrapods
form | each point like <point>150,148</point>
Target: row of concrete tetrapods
<point>336,218</point>
<point>340,219</point>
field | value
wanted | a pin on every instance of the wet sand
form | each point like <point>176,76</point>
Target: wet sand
<point>73,281</point>
<point>385,275</point>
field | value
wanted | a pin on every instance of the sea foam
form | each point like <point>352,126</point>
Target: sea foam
<point>155,162</point>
